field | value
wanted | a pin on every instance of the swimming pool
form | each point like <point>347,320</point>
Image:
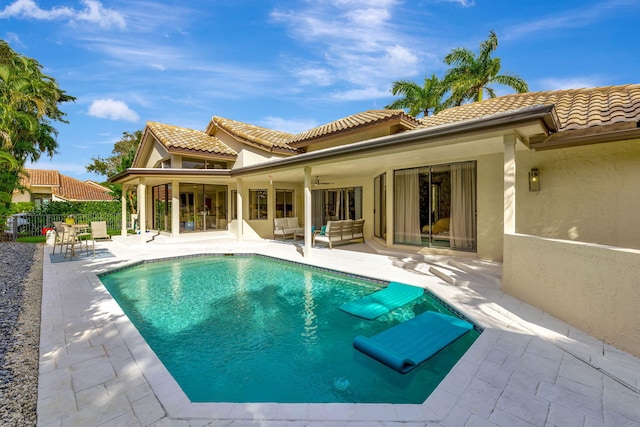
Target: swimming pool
<point>256,329</point>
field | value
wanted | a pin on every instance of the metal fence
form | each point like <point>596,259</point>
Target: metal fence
<point>22,225</point>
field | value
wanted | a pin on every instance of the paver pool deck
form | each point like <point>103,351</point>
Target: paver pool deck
<point>526,369</point>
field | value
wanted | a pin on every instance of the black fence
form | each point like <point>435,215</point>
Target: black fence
<point>23,225</point>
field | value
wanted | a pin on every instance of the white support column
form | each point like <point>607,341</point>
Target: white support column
<point>509,184</point>
<point>142,211</point>
<point>123,220</point>
<point>308,244</point>
<point>240,219</point>
<point>175,208</point>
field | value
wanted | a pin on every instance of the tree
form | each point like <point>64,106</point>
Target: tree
<point>419,100</point>
<point>122,158</point>
<point>28,104</point>
<point>471,75</point>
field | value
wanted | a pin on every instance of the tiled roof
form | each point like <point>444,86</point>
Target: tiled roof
<point>575,108</point>
<point>356,121</point>
<point>41,177</point>
<point>256,135</point>
<point>65,187</point>
<point>175,137</point>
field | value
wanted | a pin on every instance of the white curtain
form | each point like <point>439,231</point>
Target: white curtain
<point>407,196</point>
<point>463,202</point>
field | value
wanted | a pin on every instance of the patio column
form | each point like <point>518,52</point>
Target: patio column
<point>509,184</point>
<point>142,210</point>
<point>175,208</point>
<point>239,219</point>
<point>308,246</point>
<point>123,201</point>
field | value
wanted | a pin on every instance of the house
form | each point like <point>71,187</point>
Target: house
<point>44,186</point>
<point>544,182</point>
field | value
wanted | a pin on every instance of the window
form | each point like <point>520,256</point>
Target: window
<point>258,204</point>
<point>285,203</point>
<point>436,206</point>
<point>234,204</point>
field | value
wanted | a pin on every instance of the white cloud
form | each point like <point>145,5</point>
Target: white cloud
<point>360,94</point>
<point>569,83</point>
<point>93,12</point>
<point>360,43</point>
<point>290,126</point>
<point>113,110</point>
<point>463,3</point>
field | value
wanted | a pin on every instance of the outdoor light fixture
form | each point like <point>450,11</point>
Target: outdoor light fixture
<point>534,179</point>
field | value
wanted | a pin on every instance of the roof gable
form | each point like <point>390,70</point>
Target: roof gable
<point>179,139</point>
<point>263,138</point>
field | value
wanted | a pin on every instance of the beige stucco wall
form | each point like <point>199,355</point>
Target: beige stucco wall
<point>490,206</point>
<point>588,194</point>
<point>592,287</point>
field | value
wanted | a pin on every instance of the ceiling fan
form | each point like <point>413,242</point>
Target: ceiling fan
<point>318,182</point>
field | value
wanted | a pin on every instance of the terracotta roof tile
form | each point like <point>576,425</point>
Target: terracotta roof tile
<point>262,137</point>
<point>66,187</point>
<point>575,108</point>
<point>366,118</point>
<point>188,139</point>
<point>41,177</point>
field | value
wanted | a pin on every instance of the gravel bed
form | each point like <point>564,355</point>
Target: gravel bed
<point>20,302</point>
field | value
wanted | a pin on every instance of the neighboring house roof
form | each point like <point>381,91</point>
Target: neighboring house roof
<point>397,119</point>
<point>65,187</point>
<point>263,138</point>
<point>179,139</point>
<point>576,110</point>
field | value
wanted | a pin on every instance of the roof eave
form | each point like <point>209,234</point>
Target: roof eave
<point>544,113</point>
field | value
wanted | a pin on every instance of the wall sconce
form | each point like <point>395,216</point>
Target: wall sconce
<point>270,180</point>
<point>534,179</point>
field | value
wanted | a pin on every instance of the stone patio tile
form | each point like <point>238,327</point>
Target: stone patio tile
<point>50,407</point>
<point>292,411</point>
<point>441,402</point>
<point>459,416</point>
<point>494,374</point>
<point>341,411</point>
<point>617,399</point>
<point>562,416</point>
<point>91,372</point>
<point>543,368</point>
<point>506,419</point>
<point>148,410</point>
<point>590,406</point>
<point>523,405</point>
<point>100,413</point>
<point>476,421</point>
<point>579,372</point>
<point>479,398</point>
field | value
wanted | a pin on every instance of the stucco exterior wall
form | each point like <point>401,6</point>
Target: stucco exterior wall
<point>587,193</point>
<point>490,206</point>
<point>592,287</point>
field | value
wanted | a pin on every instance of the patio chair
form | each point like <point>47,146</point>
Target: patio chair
<point>99,230</point>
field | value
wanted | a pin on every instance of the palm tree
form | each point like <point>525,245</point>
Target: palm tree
<point>471,75</point>
<point>418,99</point>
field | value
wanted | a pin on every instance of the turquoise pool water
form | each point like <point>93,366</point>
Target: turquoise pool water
<point>256,329</point>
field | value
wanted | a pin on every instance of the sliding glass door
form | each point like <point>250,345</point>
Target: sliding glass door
<point>335,204</point>
<point>435,206</point>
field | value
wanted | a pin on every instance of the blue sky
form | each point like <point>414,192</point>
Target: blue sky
<point>292,65</point>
